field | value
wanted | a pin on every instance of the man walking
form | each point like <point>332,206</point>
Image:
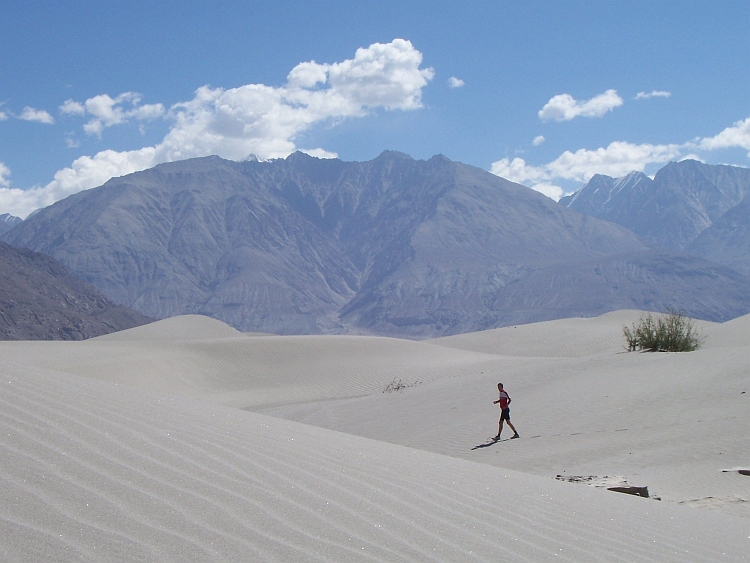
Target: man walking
<point>504,401</point>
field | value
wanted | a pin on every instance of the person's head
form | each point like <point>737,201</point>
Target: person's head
<point>499,386</point>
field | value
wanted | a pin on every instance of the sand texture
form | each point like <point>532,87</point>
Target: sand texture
<point>156,444</point>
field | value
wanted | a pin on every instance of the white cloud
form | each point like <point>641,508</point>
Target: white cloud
<point>517,170</point>
<point>85,172</point>
<point>692,156</point>
<point>3,116</point>
<point>564,107</point>
<point>652,94</point>
<point>233,123</point>
<point>107,111</point>
<point>319,153</point>
<point>72,143</point>
<point>4,173</point>
<point>616,160</point>
<point>38,115</point>
<point>552,191</point>
<point>71,107</point>
<point>454,82</point>
<point>538,140</point>
<point>738,135</point>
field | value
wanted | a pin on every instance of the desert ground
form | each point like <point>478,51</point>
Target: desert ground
<point>186,440</point>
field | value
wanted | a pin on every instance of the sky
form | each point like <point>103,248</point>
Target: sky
<point>546,94</point>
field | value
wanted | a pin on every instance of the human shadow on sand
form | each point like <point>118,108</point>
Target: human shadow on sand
<point>489,442</point>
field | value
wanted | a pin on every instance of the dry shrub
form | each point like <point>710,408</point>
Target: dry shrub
<point>672,332</point>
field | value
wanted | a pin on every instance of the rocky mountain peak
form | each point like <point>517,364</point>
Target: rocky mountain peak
<point>8,221</point>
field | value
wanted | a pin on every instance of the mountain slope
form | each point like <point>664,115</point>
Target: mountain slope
<point>670,212</point>
<point>41,300</point>
<point>727,240</point>
<point>390,246</point>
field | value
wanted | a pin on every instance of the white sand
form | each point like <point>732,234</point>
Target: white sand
<point>131,447</point>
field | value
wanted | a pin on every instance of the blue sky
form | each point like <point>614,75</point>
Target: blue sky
<point>544,93</point>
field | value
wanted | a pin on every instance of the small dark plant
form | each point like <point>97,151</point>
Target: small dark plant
<point>398,385</point>
<point>672,332</point>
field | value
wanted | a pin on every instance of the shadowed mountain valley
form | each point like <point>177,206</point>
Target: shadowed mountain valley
<point>41,300</point>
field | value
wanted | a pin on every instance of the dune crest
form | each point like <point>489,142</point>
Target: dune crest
<point>184,327</point>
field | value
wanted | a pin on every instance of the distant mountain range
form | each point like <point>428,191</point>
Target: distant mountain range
<point>392,246</point>
<point>689,207</point>
<point>41,300</point>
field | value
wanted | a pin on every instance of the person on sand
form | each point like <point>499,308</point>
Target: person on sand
<point>504,401</point>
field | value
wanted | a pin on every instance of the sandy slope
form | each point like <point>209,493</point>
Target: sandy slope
<point>97,472</point>
<point>127,447</point>
<point>566,337</point>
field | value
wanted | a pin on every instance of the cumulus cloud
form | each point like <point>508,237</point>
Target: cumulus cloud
<point>517,170</point>
<point>251,119</point>
<point>71,107</point>
<point>106,111</point>
<point>652,94</point>
<point>564,107</point>
<point>38,115</point>
<point>552,191</point>
<point>320,153</point>
<point>538,140</point>
<point>617,159</point>
<point>692,156</point>
<point>454,82</point>
<point>738,135</point>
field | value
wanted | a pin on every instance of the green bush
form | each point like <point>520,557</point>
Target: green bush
<point>672,332</point>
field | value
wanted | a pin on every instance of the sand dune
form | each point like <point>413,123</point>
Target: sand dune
<point>195,358</point>
<point>565,337</point>
<point>131,447</point>
<point>97,472</point>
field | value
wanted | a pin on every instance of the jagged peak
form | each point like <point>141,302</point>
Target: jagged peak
<point>393,155</point>
<point>439,158</point>
<point>299,156</point>
<point>10,219</point>
<point>252,157</point>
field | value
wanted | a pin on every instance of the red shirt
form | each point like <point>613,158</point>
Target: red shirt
<point>504,399</point>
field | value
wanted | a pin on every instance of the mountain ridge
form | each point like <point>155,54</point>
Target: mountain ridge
<point>391,246</point>
<point>670,211</point>
<point>41,300</point>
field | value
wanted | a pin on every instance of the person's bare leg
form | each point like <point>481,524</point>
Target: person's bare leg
<point>515,432</point>
<point>500,428</point>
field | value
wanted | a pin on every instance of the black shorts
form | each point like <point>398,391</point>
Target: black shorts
<point>505,414</point>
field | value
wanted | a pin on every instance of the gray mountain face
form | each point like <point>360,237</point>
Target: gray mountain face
<point>612,199</point>
<point>390,246</point>
<point>727,240</point>
<point>8,221</point>
<point>689,207</point>
<point>41,300</point>
<point>672,210</point>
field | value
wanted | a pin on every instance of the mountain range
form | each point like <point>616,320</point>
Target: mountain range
<point>41,300</point>
<point>689,207</point>
<point>392,246</point>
